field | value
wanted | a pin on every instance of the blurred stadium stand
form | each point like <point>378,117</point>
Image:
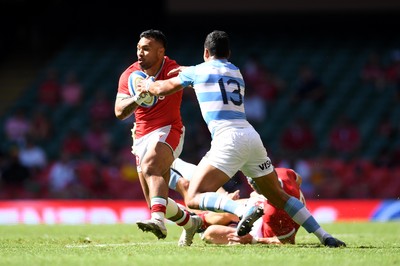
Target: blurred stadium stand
<point>97,41</point>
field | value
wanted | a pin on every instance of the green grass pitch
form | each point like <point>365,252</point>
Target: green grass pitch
<point>368,243</point>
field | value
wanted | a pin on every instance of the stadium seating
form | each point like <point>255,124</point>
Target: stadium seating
<point>337,63</point>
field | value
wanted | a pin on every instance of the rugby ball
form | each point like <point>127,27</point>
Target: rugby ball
<point>147,99</point>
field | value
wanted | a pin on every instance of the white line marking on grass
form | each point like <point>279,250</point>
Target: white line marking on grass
<point>115,245</point>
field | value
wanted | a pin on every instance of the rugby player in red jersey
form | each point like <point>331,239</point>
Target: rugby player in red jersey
<point>158,137</point>
<point>274,227</point>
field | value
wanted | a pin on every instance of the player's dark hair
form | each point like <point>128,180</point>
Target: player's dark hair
<point>156,35</point>
<point>217,42</point>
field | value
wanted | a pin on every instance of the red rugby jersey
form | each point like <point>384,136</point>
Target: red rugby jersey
<point>167,109</point>
<point>277,222</point>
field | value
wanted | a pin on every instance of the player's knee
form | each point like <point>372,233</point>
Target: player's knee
<point>151,168</point>
<point>147,168</point>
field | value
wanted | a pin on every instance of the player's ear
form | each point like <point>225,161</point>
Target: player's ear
<point>206,54</point>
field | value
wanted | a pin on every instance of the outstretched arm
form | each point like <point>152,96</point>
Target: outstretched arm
<point>176,70</point>
<point>249,239</point>
<point>160,87</point>
<point>220,234</point>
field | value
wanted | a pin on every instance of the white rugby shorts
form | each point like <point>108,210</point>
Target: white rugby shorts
<point>168,135</point>
<point>239,149</point>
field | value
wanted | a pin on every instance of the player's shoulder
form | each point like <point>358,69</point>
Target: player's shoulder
<point>283,170</point>
<point>124,77</point>
<point>169,61</point>
<point>170,64</point>
<point>285,173</point>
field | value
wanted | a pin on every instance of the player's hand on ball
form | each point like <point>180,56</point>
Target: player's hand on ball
<point>138,84</point>
<point>144,85</point>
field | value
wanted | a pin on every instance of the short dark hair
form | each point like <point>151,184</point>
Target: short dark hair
<point>217,42</point>
<point>156,35</point>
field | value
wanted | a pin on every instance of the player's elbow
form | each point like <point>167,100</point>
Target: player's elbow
<point>119,113</point>
<point>119,116</point>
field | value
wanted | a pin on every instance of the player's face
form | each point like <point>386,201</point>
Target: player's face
<point>149,53</point>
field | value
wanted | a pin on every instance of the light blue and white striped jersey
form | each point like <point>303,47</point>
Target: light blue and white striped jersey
<point>220,90</point>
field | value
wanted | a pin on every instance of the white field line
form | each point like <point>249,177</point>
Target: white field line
<point>116,245</point>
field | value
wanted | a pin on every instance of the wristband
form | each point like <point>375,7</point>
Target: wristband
<point>254,240</point>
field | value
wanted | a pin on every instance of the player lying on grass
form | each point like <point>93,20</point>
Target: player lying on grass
<point>275,226</point>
